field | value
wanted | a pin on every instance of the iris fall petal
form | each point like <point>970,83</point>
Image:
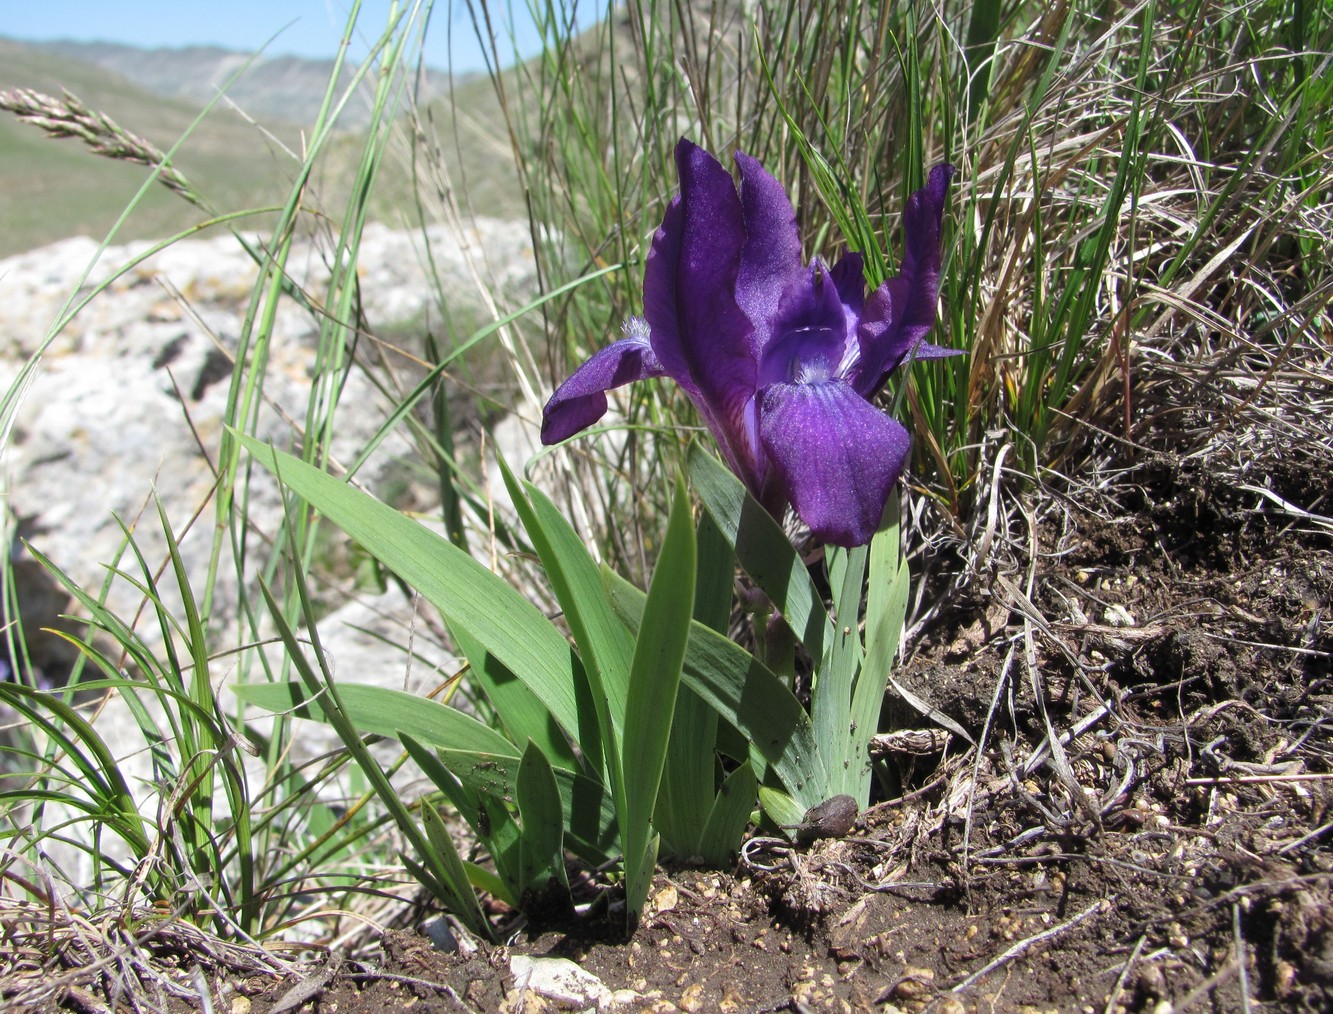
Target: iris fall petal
<point>835,454</point>
<point>581,400</point>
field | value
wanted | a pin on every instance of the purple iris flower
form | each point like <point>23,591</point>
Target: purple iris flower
<point>781,359</point>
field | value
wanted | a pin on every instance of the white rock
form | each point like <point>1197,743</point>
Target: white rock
<point>131,387</point>
<point>1117,615</point>
<point>128,400</point>
<point>559,979</point>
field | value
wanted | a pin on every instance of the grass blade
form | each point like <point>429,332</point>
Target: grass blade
<point>477,755</point>
<point>438,857</point>
<point>604,645</point>
<point>383,711</point>
<point>493,622</point>
<point>541,844</point>
<point>728,817</point>
<point>486,815</point>
<point>746,694</point>
<point>659,652</point>
<point>831,696</point>
<point>762,549</point>
<point>685,798</point>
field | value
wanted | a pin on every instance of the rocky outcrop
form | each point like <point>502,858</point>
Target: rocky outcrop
<point>126,403</point>
<point>128,399</point>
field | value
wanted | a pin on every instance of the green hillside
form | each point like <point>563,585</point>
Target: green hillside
<point>51,189</point>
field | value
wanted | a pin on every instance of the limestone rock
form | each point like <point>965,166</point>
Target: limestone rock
<point>126,402</point>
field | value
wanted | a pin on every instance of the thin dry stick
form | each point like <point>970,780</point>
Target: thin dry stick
<point>1240,959</point>
<point>1292,846</point>
<point>441,988</point>
<point>310,987</point>
<point>1227,970</point>
<point>981,747</point>
<point>1023,946</point>
<point>1119,988</point>
<point>201,987</point>
<point>1083,725</point>
<point>1258,779</point>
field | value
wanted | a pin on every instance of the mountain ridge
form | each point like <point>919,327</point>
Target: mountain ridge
<point>237,156</point>
<point>281,87</point>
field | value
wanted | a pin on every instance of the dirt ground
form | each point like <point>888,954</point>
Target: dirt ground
<point>1169,854</point>
<point>1143,825</point>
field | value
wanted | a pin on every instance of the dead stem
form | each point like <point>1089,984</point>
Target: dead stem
<point>1025,945</point>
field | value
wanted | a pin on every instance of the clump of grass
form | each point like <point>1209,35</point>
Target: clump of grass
<point>1116,169</point>
<point>59,957</point>
<point>242,845</point>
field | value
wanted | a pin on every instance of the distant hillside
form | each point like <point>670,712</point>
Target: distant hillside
<point>51,189</point>
<point>285,88</point>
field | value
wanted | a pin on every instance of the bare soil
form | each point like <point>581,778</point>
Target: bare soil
<point>1144,823</point>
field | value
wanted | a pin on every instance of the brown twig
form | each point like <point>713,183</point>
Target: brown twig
<point>1257,779</point>
<point>1027,944</point>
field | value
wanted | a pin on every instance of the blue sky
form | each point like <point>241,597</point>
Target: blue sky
<point>308,28</point>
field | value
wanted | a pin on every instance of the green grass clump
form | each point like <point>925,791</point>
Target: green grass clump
<point>1107,156</point>
<point>225,829</point>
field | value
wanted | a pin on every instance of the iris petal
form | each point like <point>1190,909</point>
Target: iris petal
<point>849,276</point>
<point>810,335</point>
<point>581,400</point>
<point>836,455</point>
<point>771,268</point>
<point>900,313</point>
<point>659,298</point>
<point>700,334</point>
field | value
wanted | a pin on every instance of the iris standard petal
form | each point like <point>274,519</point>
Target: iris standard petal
<point>884,330</point>
<point>810,336</point>
<point>849,275</point>
<point>699,333</point>
<point>900,313</point>
<point>770,267</point>
<point>836,455</point>
<point>660,293</point>
<point>581,400</point>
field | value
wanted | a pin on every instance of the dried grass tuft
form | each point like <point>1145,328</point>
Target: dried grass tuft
<point>53,957</point>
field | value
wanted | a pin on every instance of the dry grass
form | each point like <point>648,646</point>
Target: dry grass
<point>56,958</point>
<point>1212,314</point>
<point>151,959</point>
